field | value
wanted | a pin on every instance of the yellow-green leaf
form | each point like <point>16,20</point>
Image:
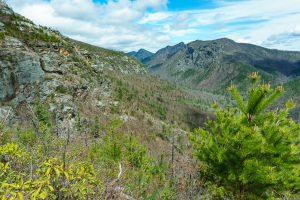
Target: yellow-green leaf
<point>20,196</point>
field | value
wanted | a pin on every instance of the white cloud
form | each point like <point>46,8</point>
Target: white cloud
<point>251,21</point>
<point>112,25</point>
<point>285,40</point>
<point>76,9</point>
<point>154,17</point>
<point>129,25</point>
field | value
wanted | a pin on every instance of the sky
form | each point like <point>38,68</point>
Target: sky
<point>128,25</point>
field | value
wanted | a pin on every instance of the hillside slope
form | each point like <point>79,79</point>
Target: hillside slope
<point>71,96</point>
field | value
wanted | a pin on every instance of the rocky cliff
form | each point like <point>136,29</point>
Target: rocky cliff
<point>75,89</point>
<point>37,62</point>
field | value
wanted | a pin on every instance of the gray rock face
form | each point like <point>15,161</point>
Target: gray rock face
<point>7,85</point>
<point>4,113</point>
<point>28,70</point>
<point>40,66</point>
<point>51,62</point>
<point>18,67</point>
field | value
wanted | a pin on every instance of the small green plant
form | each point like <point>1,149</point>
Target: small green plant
<point>112,148</point>
<point>43,114</point>
<point>134,152</point>
<point>61,89</point>
<point>250,151</point>
<point>165,133</point>
<point>2,36</point>
<point>168,193</point>
<point>162,112</point>
<point>26,137</point>
<point>96,127</point>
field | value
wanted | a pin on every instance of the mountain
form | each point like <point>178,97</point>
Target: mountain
<point>140,54</point>
<point>79,121</point>
<point>207,68</point>
<point>214,65</point>
<point>67,99</point>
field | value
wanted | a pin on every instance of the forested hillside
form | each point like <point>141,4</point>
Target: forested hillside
<point>210,67</point>
<point>79,121</point>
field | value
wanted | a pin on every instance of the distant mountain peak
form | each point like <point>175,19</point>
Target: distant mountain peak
<point>225,39</point>
<point>141,54</point>
<point>144,50</point>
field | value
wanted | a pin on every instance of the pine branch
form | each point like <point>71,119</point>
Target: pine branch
<point>238,98</point>
<point>270,99</point>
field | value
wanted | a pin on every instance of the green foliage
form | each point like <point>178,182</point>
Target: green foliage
<point>188,73</point>
<point>162,112</point>
<point>96,127</point>
<point>11,29</point>
<point>48,181</point>
<point>134,152</point>
<point>2,36</point>
<point>26,137</point>
<point>42,112</point>
<point>61,89</point>
<point>165,133</point>
<point>4,134</point>
<point>124,93</point>
<point>249,151</point>
<point>144,176</point>
<point>160,109</point>
<point>78,59</point>
<point>112,140</point>
<point>168,193</point>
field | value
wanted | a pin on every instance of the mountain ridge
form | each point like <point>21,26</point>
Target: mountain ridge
<point>213,65</point>
<point>86,112</point>
<point>181,59</point>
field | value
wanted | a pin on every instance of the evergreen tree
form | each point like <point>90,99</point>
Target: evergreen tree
<point>250,151</point>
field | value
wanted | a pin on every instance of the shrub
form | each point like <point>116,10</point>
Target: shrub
<point>250,151</point>
<point>43,114</point>
<point>96,127</point>
<point>2,36</point>
<point>49,181</point>
<point>26,137</point>
<point>61,89</point>
<point>112,147</point>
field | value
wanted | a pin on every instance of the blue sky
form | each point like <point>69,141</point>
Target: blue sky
<point>152,24</point>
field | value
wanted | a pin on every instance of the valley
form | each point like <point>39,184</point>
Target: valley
<point>78,121</point>
<point>210,67</point>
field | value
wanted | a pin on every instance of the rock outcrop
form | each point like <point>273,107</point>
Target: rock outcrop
<point>39,64</point>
